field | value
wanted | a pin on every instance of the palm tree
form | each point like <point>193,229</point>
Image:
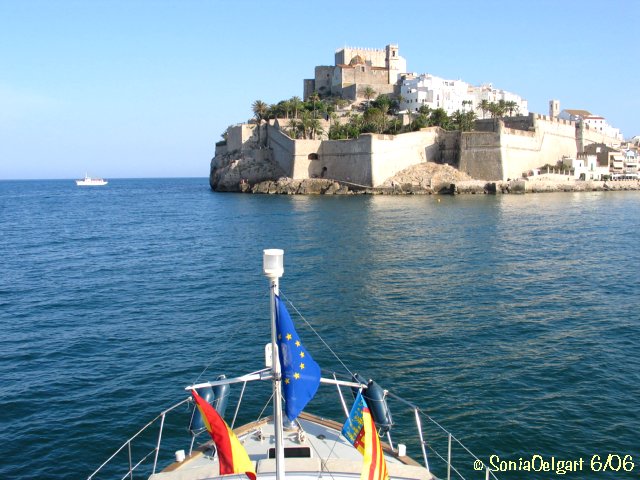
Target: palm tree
<point>286,106</point>
<point>384,108</point>
<point>463,120</point>
<point>314,128</point>
<point>259,111</point>
<point>296,104</point>
<point>369,93</point>
<point>484,107</point>
<point>314,97</point>
<point>511,106</point>
<point>294,128</point>
<point>502,109</point>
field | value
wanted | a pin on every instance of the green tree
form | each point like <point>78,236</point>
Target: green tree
<point>511,106</point>
<point>463,121</point>
<point>380,101</point>
<point>294,127</point>
<point>425,110</point>
<point>502,107</point>
<point>260,110</point>
<point>484,107</point>
<point>296,105</point>
<point>373,117</point>
<point>494,110</point>
<point>314,98</point>
<point>439,118</point>
<point>368,93</point>
<point>384,109</point>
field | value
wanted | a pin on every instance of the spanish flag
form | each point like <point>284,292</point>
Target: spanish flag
<point>360,430</point>
<point>232,456</point>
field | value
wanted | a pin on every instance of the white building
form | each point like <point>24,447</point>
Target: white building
<point>451,95</point>
<point>631,161</point>
<point>586,167</point>
<point>594,122</point>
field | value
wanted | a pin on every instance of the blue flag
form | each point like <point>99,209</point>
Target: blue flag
<point>360,430</point>
<point>300,373</point>
<point>353,428</point>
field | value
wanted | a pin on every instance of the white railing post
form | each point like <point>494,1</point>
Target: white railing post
<point>449,459</point>
<point>424,450</point>
<point>130,462</point>
<point>155,460</point>
<point>488,474</point>
<point>344,405</point>
<point>235,414</point>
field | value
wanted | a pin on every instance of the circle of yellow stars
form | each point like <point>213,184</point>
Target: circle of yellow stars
<point>296,375</point>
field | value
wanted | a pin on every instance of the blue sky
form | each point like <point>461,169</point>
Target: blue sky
<point>138,88</point>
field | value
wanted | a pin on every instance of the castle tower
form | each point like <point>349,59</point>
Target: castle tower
<point>554,108</point>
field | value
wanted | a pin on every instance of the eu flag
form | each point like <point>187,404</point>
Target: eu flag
<point>300,373</point>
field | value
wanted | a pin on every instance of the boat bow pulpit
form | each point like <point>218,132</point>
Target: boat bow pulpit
<point>292,442</point>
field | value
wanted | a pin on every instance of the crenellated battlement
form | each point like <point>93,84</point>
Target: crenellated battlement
<point>547,118</point>
<point>361,49</point>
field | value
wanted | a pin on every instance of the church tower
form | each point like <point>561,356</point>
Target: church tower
<point>554,108</point>
<point>393,63</point>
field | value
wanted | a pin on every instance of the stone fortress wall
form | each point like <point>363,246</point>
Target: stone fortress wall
<point>494,152</point>
<point>368,160</point>
<point>500,150</point>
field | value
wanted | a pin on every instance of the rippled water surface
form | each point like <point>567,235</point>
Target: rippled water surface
<point>512,320</point>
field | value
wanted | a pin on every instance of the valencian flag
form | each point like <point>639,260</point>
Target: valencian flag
<point>232,456</point>
<point>360,430</point>
<point>300,373</point>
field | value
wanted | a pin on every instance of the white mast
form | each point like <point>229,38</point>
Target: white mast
<point>273,268</point>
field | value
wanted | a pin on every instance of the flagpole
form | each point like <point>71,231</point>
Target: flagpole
<point>273,268</point>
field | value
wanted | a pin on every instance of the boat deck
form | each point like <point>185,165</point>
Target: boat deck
<point>318,447</point>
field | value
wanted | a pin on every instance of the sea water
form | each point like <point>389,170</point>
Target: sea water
<point>512,320</point>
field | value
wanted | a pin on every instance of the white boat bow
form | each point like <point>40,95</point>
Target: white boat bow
<point>309,447</point>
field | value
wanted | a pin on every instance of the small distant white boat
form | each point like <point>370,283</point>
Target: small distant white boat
<point>87,181</point>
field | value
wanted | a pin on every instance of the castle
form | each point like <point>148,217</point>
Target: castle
<point>497,149</point>
<point>385,72</point>
<point>356,69</point>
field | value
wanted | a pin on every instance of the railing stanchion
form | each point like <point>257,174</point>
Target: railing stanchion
<point>488,473</point>
<point>389,440</point>
<point>193,440</point>
<point>344,405</point>
<point>235,414</point>
<point>155,460</point>
<point>424,450</point>
<point>449,459</point>
<point>130,461</point>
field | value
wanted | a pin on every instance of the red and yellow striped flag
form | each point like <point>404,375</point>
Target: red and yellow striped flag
<point>360,430</point>
<point>232,456</point>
